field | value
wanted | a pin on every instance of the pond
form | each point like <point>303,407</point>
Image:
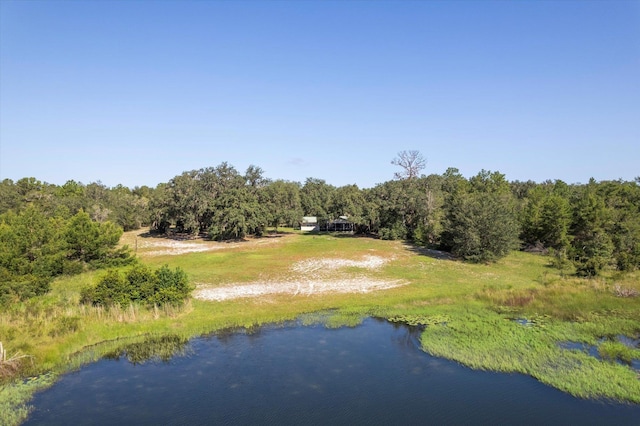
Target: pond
<point>374,373</point>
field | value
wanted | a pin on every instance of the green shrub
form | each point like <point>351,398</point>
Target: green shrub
<point>139,284</point>
<point>21,287</point>
<point>72,267</point>
<point>171,287</point>
<point>396,232</point>
<point>111,290</point>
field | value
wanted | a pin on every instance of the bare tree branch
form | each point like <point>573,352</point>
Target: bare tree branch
<point>412,163</point>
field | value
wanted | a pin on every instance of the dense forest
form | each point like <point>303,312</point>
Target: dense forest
<point>48,230</point>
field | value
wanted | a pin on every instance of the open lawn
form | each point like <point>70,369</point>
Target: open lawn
<point>511,316</point>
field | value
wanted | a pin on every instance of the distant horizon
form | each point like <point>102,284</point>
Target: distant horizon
<point>135,93</point>
<point>272,178</point>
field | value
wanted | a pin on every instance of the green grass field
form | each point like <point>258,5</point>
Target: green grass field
<point>469,311</point>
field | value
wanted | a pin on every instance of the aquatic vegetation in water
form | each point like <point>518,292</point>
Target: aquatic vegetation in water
<point>533,321</point>
<point>420,320</point>
<point>15,396</point>
<point>483,339</point>
<point>620,349</point>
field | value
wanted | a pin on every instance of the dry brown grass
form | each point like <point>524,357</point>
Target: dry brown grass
<point>622,291</point>
<point>10,366</point>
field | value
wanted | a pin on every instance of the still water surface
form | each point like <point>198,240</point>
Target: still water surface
<point>373,374</point>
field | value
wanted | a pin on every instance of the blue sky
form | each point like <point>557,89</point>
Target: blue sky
<point>136,92</point>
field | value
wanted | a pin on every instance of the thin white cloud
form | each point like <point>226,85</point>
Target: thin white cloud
<point>297,161</point>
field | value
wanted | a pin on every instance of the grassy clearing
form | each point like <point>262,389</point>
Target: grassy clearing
<point>468,309</point>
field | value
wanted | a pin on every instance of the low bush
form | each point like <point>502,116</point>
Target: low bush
<point>139,285</point>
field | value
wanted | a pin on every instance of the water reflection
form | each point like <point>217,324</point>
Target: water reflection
<point>161,348</point>
<point>374,373</point>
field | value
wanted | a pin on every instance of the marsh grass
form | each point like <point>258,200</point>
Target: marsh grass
<point>613,350</point>
<point>482,339</point>
<point>15,396</point>
<point>467,309</point>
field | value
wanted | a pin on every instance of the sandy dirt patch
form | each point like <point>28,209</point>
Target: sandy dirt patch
<point>319,265</point>
<point>308,277</point>
<point>304,287</point>
<point>173,248</point>
<point>157,246</point>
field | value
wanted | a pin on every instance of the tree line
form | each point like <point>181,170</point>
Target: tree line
<point>592,226</point>
<point>47,230</point>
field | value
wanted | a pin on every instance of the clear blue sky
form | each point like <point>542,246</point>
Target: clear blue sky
<point>136,92</point>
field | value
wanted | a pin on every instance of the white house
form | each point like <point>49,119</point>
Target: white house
<point>309,223</point>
